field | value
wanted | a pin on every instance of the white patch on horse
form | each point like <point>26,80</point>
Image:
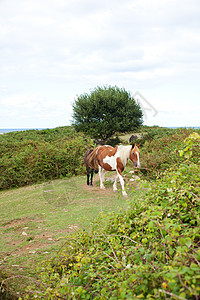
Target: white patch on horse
<point>111,160</point>
<point>138,159</point>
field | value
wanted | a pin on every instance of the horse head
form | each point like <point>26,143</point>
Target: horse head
<point>135,155</point>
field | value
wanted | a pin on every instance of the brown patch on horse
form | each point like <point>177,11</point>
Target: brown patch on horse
<point>106,167</point>
<point>104,151</point>
<point>120,166</point>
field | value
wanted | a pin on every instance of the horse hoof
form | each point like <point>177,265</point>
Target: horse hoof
<point>124,194</point>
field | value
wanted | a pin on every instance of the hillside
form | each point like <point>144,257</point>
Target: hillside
<point>34,156</point>
<point>149,250</point>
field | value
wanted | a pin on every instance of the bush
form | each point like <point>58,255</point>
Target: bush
<point>34,156</point>
<point>162,151</point>
<point>151,252</point>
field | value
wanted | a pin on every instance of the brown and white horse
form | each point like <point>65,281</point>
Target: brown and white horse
<point>107,158</point>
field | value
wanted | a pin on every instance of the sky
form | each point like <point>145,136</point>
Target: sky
<point>52,51</point>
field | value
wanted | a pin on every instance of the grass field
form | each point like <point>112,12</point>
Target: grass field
<point>35,220</point>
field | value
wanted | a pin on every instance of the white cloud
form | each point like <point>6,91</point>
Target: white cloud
<point>53,50</point>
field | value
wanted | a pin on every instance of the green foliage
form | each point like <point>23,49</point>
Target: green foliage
<point>160,148</point>
<point>34,156</point>
<point>192,142</point>
<point>151,252</point>
<point>106,110</point>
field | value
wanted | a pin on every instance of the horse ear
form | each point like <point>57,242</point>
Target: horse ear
<point>133,145</point>
<point>138,145</point>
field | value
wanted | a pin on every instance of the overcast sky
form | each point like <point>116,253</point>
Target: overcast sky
<point>53,50</point>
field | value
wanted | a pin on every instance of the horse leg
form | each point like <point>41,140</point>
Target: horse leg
<point>101,177</point>
<point>115,184</point>
<point>88,175</point>
<point>122,183</point>
<point>92,172</point>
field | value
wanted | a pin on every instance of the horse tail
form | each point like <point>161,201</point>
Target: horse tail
<point>91,160</point>
<point>86,155</point>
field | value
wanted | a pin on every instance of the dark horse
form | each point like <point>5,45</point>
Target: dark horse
<point>89,170</point>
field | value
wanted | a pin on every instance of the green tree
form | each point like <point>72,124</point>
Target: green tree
<point>105,111</point>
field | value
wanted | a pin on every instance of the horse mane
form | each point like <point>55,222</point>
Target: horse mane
<point>91,160</point>
<point>124,153</point>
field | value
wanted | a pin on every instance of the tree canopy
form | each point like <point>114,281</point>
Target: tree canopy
<point>105,111</point>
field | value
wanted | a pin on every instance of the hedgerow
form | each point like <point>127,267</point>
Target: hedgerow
<point>160,150</point>
<point>151,252</point>
<point>34,156</point>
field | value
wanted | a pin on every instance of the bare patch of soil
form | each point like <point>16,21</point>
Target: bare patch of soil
<point>108,190</point>
<point>21,242</point>
<point>16,223</point>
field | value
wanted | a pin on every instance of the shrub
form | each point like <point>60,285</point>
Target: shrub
<point>34,156</point>
<point>151,252</point>
<point>162,152</point>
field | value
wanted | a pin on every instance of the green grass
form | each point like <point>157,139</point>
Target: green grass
<point>35,220</point>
